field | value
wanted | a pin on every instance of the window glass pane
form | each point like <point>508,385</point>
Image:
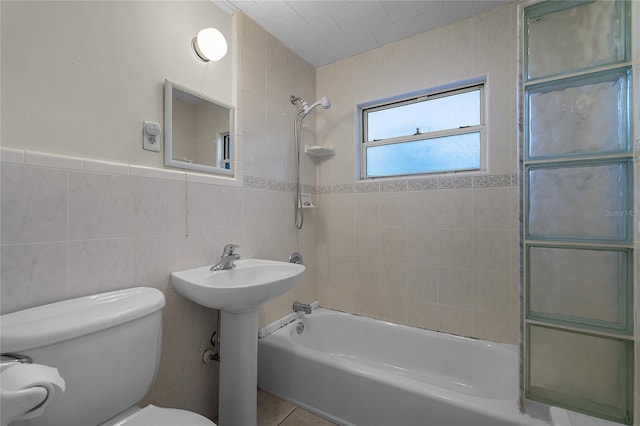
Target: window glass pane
<point>587,35</point>
<point>432,115</point>
<point>459,152</point>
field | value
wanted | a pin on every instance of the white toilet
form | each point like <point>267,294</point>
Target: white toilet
<point>106,348</point>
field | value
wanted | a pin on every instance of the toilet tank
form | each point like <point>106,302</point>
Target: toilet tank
<point>106,347</point>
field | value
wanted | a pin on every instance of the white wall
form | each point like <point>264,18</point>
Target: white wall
<point>92,71</point>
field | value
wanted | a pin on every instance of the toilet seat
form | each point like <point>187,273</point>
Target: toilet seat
<point>156,416</point>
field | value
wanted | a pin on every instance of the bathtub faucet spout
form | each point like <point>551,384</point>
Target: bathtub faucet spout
<point>304,307</point>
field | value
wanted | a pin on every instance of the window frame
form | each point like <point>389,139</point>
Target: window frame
<point>402,100</point>
<point>224,145</point>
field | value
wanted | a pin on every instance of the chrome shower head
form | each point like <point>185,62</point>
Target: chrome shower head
<point>324,102</point>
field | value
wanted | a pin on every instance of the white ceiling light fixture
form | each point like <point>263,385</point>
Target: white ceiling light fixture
<point>209,45</point>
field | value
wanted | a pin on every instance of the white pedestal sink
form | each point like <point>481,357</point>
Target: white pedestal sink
<point>238,293</point>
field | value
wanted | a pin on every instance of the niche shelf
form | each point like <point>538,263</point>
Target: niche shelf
<point>318,151</point>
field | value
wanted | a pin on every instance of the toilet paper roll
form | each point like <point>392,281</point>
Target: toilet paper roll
<point>24,376</point>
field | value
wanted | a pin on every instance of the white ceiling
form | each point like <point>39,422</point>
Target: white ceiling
<point>326,31</point>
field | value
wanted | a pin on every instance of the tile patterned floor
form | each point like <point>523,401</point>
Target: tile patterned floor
<point>273,411</point>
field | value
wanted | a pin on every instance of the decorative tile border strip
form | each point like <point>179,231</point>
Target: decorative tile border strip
<point>425,184</point>
<point>367,186</point>
<point>291,186</point>
<point>491,181</point>
<point>324,189</point>
<point>422,184</point>
<point>254,182</point>
<point>393,186</point>
<point>308,189</point>
<point>457,182</point>
<point>276,185</point>
<point>342,188</point>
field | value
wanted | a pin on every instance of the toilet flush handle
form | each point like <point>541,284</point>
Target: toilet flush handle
<point>7,360</point>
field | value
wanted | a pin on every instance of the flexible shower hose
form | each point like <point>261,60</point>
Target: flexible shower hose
<point>299,213</point>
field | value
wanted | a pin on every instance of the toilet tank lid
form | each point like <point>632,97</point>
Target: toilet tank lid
<point>60,321</point>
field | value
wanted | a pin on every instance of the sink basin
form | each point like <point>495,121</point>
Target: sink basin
<point>238,293</point>
<point>245,287</point>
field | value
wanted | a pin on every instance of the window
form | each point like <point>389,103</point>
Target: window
<point>438,132</point>
<point>224,150</point>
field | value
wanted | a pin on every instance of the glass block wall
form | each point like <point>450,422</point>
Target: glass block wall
<point>578,206</point>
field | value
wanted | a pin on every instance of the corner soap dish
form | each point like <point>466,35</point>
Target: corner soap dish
<point>319,151</point>
<point>306,202</point>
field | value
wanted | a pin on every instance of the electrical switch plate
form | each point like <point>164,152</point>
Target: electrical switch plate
<point>151,136</point>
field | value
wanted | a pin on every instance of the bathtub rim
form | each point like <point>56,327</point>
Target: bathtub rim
<point>317,308</point>
<point>505,409</point>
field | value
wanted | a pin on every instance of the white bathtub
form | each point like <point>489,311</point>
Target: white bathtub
<point>359,371</point>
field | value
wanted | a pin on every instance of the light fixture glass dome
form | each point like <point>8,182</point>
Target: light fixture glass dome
<point>210,45</point>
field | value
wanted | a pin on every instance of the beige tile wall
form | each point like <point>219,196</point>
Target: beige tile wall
<point>68,233</point>
<point>438,259</point>
<point>440,254</point>
<point>271,73</point>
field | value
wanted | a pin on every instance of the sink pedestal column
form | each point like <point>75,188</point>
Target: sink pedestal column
<point>238,368</point>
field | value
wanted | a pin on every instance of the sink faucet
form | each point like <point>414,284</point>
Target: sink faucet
<point>227,258</point>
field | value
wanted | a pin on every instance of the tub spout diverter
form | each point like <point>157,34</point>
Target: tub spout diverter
<point>304,307</point>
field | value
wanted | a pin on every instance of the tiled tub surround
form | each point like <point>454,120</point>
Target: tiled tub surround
<point>446,248</point>
<point>442,257</point>
<point>73,226</point>
<point>438,252</point>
